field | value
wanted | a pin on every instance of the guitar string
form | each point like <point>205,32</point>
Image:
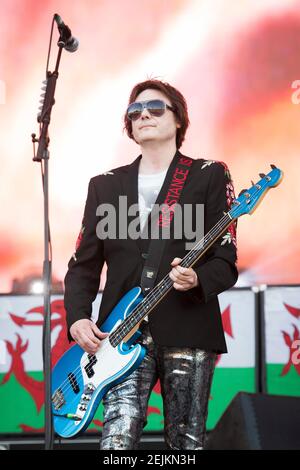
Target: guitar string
<point>166,283</point>
<point>154,295</point>
<point>149,298</point>
<point>68,386</point>
<point>162,288</point>
<point>151,294</point>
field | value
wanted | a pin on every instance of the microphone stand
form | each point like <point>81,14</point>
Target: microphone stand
<point>43,155</point>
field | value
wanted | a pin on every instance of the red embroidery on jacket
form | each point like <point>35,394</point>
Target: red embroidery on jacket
<point>79,239</point>
<point>230,235</point>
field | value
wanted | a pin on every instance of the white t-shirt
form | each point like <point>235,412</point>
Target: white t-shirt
<point>149,186</point>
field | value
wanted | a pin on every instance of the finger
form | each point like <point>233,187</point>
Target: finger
<point>185,285</point>
<point>88,344</point>
<point>181,277</point>
<point>182,280</point>
<point>179,287</point>
<point>183,271</point>
<point>91,336</point>
<point>176,261</point>
<point>83,342</point>
<point>89,350</point>
<point>85,334</point>
<point>81,336</point>
<point>100,334</point>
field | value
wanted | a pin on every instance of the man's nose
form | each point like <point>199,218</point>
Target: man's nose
<point>145,114</point>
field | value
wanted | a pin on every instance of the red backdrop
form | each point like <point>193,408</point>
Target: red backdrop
<point>234,62</point>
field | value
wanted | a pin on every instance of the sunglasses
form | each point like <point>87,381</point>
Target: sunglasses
<point>155,107</point>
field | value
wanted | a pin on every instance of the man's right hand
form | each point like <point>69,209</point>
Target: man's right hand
<point>87,335</point>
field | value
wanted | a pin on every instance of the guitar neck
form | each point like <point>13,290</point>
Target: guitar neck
<point>245,204</point>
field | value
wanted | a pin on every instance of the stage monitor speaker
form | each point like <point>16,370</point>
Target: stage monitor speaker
<point>258,421</point>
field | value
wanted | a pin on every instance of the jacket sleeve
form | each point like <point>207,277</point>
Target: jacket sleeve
<point>219,272</point>
<point>84,268</point>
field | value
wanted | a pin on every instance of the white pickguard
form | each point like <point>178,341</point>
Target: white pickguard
<point>111,363</point>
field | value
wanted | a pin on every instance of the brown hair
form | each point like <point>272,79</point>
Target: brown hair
<point>177,101</point>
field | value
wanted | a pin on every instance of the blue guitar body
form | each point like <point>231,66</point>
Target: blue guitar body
<point>80,380</point>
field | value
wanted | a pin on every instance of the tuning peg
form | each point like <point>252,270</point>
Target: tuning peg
<point>243,191</point>
<point>262,175</point>
<point>274,167</point>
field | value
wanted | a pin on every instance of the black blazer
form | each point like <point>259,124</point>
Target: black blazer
<point>182,319</point>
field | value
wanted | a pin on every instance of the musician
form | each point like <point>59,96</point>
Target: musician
<point>184,333</point>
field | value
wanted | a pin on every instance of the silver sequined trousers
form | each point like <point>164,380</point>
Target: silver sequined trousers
<point>185,375</point>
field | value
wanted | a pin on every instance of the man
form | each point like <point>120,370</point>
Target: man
<point>184,333</point>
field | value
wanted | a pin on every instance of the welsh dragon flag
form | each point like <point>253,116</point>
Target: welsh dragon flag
<point>282,326</point>
<point>21,376</point>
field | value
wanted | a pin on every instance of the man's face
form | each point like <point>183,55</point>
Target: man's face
<point>148,128</point>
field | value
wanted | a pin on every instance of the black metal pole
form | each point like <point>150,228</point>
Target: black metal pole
<point>47,270</point>
<point>67,41</point>
<point>43,155</point>
<point>260,343</point>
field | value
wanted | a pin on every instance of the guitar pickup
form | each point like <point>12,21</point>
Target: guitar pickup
<point>89,367</point>
<point>73,382</point>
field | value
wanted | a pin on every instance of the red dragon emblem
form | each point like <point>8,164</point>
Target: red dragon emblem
<point>291,341</point>
<point>227,326</point>
<point>17,368</point>
<point>34,387</point>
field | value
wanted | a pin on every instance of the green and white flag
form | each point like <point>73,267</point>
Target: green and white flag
<point>282,330</point>
<point>235,370</point>
<point>21,376</point>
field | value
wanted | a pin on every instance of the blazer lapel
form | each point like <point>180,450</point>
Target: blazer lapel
<point>129,181</point>
<point>130,188</point>
<point>129,184</point>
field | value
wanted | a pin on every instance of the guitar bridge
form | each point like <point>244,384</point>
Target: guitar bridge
<point>58,399</point>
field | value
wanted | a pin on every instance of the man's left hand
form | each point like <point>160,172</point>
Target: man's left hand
<point>183,278</point>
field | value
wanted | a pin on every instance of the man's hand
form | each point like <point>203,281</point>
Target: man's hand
<point>87,335</point>
<point>183,278</point>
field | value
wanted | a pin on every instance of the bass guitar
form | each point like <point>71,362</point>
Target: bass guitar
<point>80,380</point>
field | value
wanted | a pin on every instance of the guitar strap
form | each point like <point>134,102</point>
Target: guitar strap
<point>175,180</point>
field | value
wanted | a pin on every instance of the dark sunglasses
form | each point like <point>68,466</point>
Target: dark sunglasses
<point>155,107</point>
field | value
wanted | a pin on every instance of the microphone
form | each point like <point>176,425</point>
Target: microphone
<point>66,39</point>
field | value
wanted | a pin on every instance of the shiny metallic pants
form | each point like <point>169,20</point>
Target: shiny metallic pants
<point>185,375</point>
